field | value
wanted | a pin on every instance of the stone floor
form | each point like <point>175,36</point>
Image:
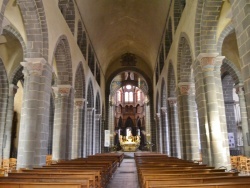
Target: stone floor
<point>125,175</point>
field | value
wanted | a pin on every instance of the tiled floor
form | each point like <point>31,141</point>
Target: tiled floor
<point>125,175</point>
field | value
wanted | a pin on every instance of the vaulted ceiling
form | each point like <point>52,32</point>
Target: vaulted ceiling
<point>116,27</point>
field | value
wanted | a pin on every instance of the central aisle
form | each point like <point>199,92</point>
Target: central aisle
<point>125,175</point>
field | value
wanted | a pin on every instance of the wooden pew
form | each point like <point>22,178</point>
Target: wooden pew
<point>38,185</point>
<point>87,172</point>
<point>156,170</point>
<point>83,181</point>
<point>209,185</point>
<point>144,177</point>
<point>195,180</point>
<point>106,170</point>
<point>119,156</point>
<point>57,175</point>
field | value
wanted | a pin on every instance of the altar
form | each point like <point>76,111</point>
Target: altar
<point>129,143</point>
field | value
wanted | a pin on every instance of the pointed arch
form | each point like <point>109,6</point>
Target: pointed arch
<point>11,31</point>
<point>79,34</point>
<point>179,5</point>
<point>68,11</point>
<point>163,94</point>
<point>168,37</point>
<point>4,93</point>
<point>184,60</point>
<point>226,31</point>
<point>37,37</point>
<point>98,104</point>
<point>171,81</point>
<point>205,42</point>
<point>161,59</point>
<point>63,61</point>
<point>4,4</point>
<point>90,95</point>
<point>79,82</point>
<point>91,59</point>
<point>229,68</point>
<point>84,44</point>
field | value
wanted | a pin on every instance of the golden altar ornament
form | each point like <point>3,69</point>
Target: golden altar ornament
<point>129,143</point>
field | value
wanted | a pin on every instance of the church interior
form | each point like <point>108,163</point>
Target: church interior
<point>107,79</point>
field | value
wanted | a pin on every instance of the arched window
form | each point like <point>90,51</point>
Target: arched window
<point>126,96</point>
<point>138,96</point>
<point>119,96</point>
<point>130,97</point>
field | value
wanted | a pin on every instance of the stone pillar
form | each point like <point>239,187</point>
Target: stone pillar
<point>189,129</point>
<point>89,131</point>
<point>9,121</point>
<point>174,128</point>
<point>219,155</point>
<point>243,113</point>
<point>97,134</point>
<point>158,132</point>
<point>221,105</point>
<point>102,133</point>
<point>77,125</point>
<point>147,121</point>
<point>165,132</point>
<point>33,134</point>
<point>241,22</point>
<point>60,137</point>
<point>111,126</point>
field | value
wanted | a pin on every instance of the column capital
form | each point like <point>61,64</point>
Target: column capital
<point>33,66</point>
<point>12,89</point>
<point>164,109</point>
<point>186,88</point>
<point>98,116</point>
<point>172,101</point>
<point>62,90</point>
<point>207,55</point>
<point>90,109</point>
<point>207,61</point>
<point>79,102</point>
<point>239,88</point>
<point>157,116</point>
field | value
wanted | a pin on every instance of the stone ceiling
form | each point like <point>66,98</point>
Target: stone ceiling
<point>116,27</point>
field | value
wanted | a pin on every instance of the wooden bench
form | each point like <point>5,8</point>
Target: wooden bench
<point>84,182</point>
<point>195,180</point>
<point>38,185</point>
<point>144,177</point>
<point>163,171</point>
<point>106,170</point>
<point>57,175</point>
<point>209,185</point>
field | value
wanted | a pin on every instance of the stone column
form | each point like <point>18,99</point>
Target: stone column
<point>189,129</point>
<point>147,121</point>
<point>111,126</point>
<point>9,121</point>
<point>33,135</point>
<point>243,113</point>
<point>165,131</point>
<point>221,105</point>
<point>77,125</point>
<point>158,132</point>
<point>60,136</point>
<point>102,133</point>
<point>174,127</point>
<point>241,22</point>
<point>219,156</point>
<point>97,134</point>
<point>89,131</point>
